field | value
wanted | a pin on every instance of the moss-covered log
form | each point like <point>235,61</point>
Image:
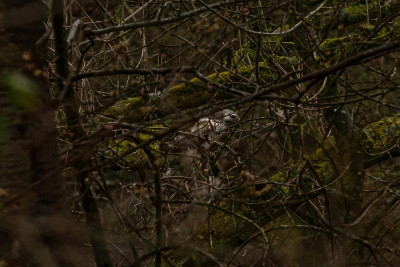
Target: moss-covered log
<point>194,93</point>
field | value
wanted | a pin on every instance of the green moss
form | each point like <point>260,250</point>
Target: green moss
<point>243,54</point>
<point>357,11</point>
<point>116,148</point>
<point>191,94</point>
<point>131,103</point>
<point>195,80</point>
<point>381,135</point>
<point>332,43</point>
<point>184,96</point>
<point>287,60</point>
<point>196,93</point>
<point>286,176</point>
<point>367,26</point>
<point>247,55</point>
<point>138,157</point>
<point>130,110</point>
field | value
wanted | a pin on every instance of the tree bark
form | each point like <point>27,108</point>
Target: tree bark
<point>34,226</point>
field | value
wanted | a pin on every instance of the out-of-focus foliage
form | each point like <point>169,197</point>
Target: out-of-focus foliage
<point>20,90</point>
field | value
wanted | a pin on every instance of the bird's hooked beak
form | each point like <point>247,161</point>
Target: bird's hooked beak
<point>232,118</point>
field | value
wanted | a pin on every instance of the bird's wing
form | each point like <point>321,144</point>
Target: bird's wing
<point>204,127</point>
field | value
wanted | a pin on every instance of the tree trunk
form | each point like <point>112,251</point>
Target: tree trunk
<point>34,228</point>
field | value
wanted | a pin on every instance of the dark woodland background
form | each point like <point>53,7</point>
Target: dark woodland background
<point>199,133</point>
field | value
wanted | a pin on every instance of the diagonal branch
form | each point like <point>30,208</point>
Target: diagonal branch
<point>129,71</point>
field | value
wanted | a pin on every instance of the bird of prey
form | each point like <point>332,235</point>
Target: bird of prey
<point>216,124</point>
<point>205,131</point>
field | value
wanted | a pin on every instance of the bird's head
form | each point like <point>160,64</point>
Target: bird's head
<point>228,116</point>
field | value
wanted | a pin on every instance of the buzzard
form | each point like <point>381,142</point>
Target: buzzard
<point>218,123</point>
<point>204,132</point>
